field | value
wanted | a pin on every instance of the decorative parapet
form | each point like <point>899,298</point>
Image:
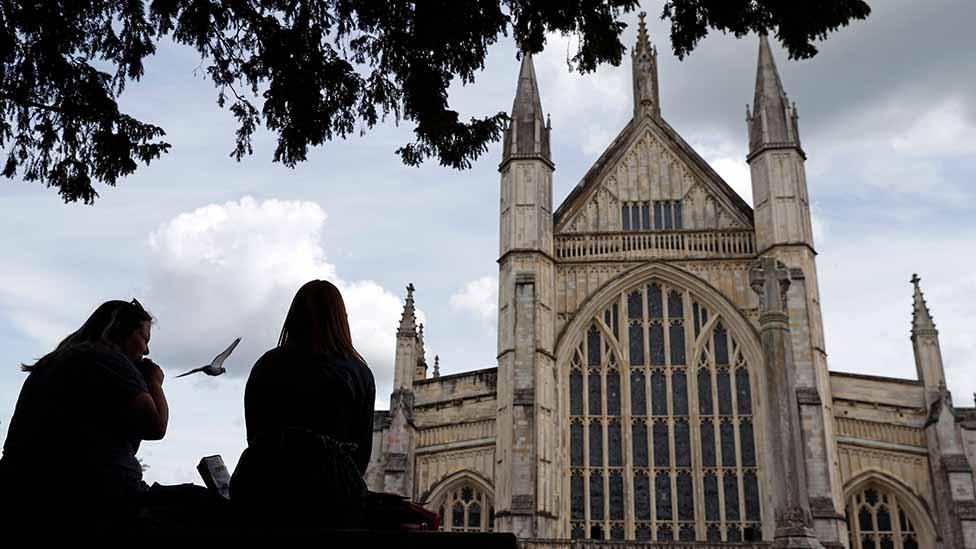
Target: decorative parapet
<point>641,246</point>
<point>456,432</point>
<point>595,544</point>
<point>882,432</point>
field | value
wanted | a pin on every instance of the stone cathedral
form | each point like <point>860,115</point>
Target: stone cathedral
<point>662,375</point>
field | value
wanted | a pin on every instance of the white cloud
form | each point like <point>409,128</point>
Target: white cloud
<point>729,160</point>
<point>479,297</point>
<point>944,130</point>
<point>867,304</point>
<point>228,270</point>
<point>45,306</point>
<point>582,105</point>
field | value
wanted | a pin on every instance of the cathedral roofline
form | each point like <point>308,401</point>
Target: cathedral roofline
<point>451,377</point>
<point>870,377</point>
<point>618,146</point>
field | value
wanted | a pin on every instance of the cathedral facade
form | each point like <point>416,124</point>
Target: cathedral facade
<point>662,375</point>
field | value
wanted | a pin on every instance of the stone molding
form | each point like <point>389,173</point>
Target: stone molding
<point>966,510</point>
<point>395,463</point>
<point>956,463</point>
<point>709,296</point>
<point>823,508</point>
<point>808,396</point>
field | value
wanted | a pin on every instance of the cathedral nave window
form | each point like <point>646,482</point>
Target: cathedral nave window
<point>689,469</point>
<point>657,215</point>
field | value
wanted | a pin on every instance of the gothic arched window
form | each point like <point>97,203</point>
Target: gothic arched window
<point>661,424</point>
<point>876,520</point>
<point>466,507</point>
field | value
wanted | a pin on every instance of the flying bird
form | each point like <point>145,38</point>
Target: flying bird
<point>216,367</point>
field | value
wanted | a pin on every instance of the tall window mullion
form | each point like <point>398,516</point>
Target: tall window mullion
<point>644,405</point>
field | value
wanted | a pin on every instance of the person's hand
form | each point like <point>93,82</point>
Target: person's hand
<point>152,372</point>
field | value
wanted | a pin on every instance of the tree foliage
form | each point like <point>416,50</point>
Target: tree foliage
<point>309,70</point>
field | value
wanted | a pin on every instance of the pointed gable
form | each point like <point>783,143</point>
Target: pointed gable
<point>650,163</point>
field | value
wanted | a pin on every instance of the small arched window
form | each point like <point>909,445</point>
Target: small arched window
<point>876,520</point>
<point>463,509</point>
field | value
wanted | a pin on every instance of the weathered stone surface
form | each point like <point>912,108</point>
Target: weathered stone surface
<point>822,437</point>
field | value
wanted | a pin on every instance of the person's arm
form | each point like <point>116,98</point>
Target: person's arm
<point>149,410</point>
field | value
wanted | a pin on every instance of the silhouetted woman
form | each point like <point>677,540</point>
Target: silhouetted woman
<point>84,408</point>
<point>308,406</point>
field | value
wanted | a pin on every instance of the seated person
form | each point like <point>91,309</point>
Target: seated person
<point>308,408</point>
<point>84,408</point>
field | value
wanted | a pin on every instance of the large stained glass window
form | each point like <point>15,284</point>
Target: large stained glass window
<point>662,427</point>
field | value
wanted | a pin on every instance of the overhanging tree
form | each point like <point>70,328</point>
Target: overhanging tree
<point>311,70</point>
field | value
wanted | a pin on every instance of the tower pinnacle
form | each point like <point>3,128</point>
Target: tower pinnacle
<point>408,320</point>
<point>644,58</point>
<point>922,323</point>
<point>527,134</point>
<point>773,120</point>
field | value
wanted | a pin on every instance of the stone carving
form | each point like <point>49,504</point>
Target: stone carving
<point>795,517</point>
<point>808,396</point>
<point>956,463</point>
<point>823,507</point>
<point>944,401</point>
<point>402,400</point>
<point>770,279</point>
<point>396,463</point>
<point>523,504</point>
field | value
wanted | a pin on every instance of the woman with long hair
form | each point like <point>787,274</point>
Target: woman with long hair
<point>308,408</point>
<point>82,412</point>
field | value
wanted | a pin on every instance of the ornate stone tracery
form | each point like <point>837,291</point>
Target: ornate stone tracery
<point>662,444</point>
<point>878,518</point>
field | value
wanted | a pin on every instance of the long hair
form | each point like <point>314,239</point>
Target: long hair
<point>317,321</point>
<point>111,322</point>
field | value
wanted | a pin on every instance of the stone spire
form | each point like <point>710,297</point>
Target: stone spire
<point>644,60</point>
<point>408,320</point>
<point>437,366</point>
<point>527,134</point>
<point>421,370</point>
<point>773,120</point>
<point>925,341</point>
<point>922,323</point>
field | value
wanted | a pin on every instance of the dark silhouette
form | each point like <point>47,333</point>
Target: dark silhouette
<point>324,69</point>
<point>308,408</point>
<point>80,417</point>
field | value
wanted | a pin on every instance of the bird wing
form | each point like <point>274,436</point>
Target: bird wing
<point>193,371</point>
<point>218,360</point>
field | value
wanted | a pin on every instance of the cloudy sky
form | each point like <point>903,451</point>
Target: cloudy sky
<point>216,248</point>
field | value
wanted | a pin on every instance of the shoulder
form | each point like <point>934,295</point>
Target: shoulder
<point>268,363</point>
<point>106,354</point>
<point>358,368</point>
<point>111,366</point>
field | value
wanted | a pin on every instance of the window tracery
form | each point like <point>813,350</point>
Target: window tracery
<point>466,507</point>
<point>877,520</point>
<point>661,404</point>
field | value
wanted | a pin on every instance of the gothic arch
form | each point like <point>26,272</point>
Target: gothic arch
<point>667,273</point>
<point>660,382</point>
<point>904,498</point>
<point>464,501</point>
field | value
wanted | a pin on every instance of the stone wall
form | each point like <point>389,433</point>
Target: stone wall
<point>880,428</point>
